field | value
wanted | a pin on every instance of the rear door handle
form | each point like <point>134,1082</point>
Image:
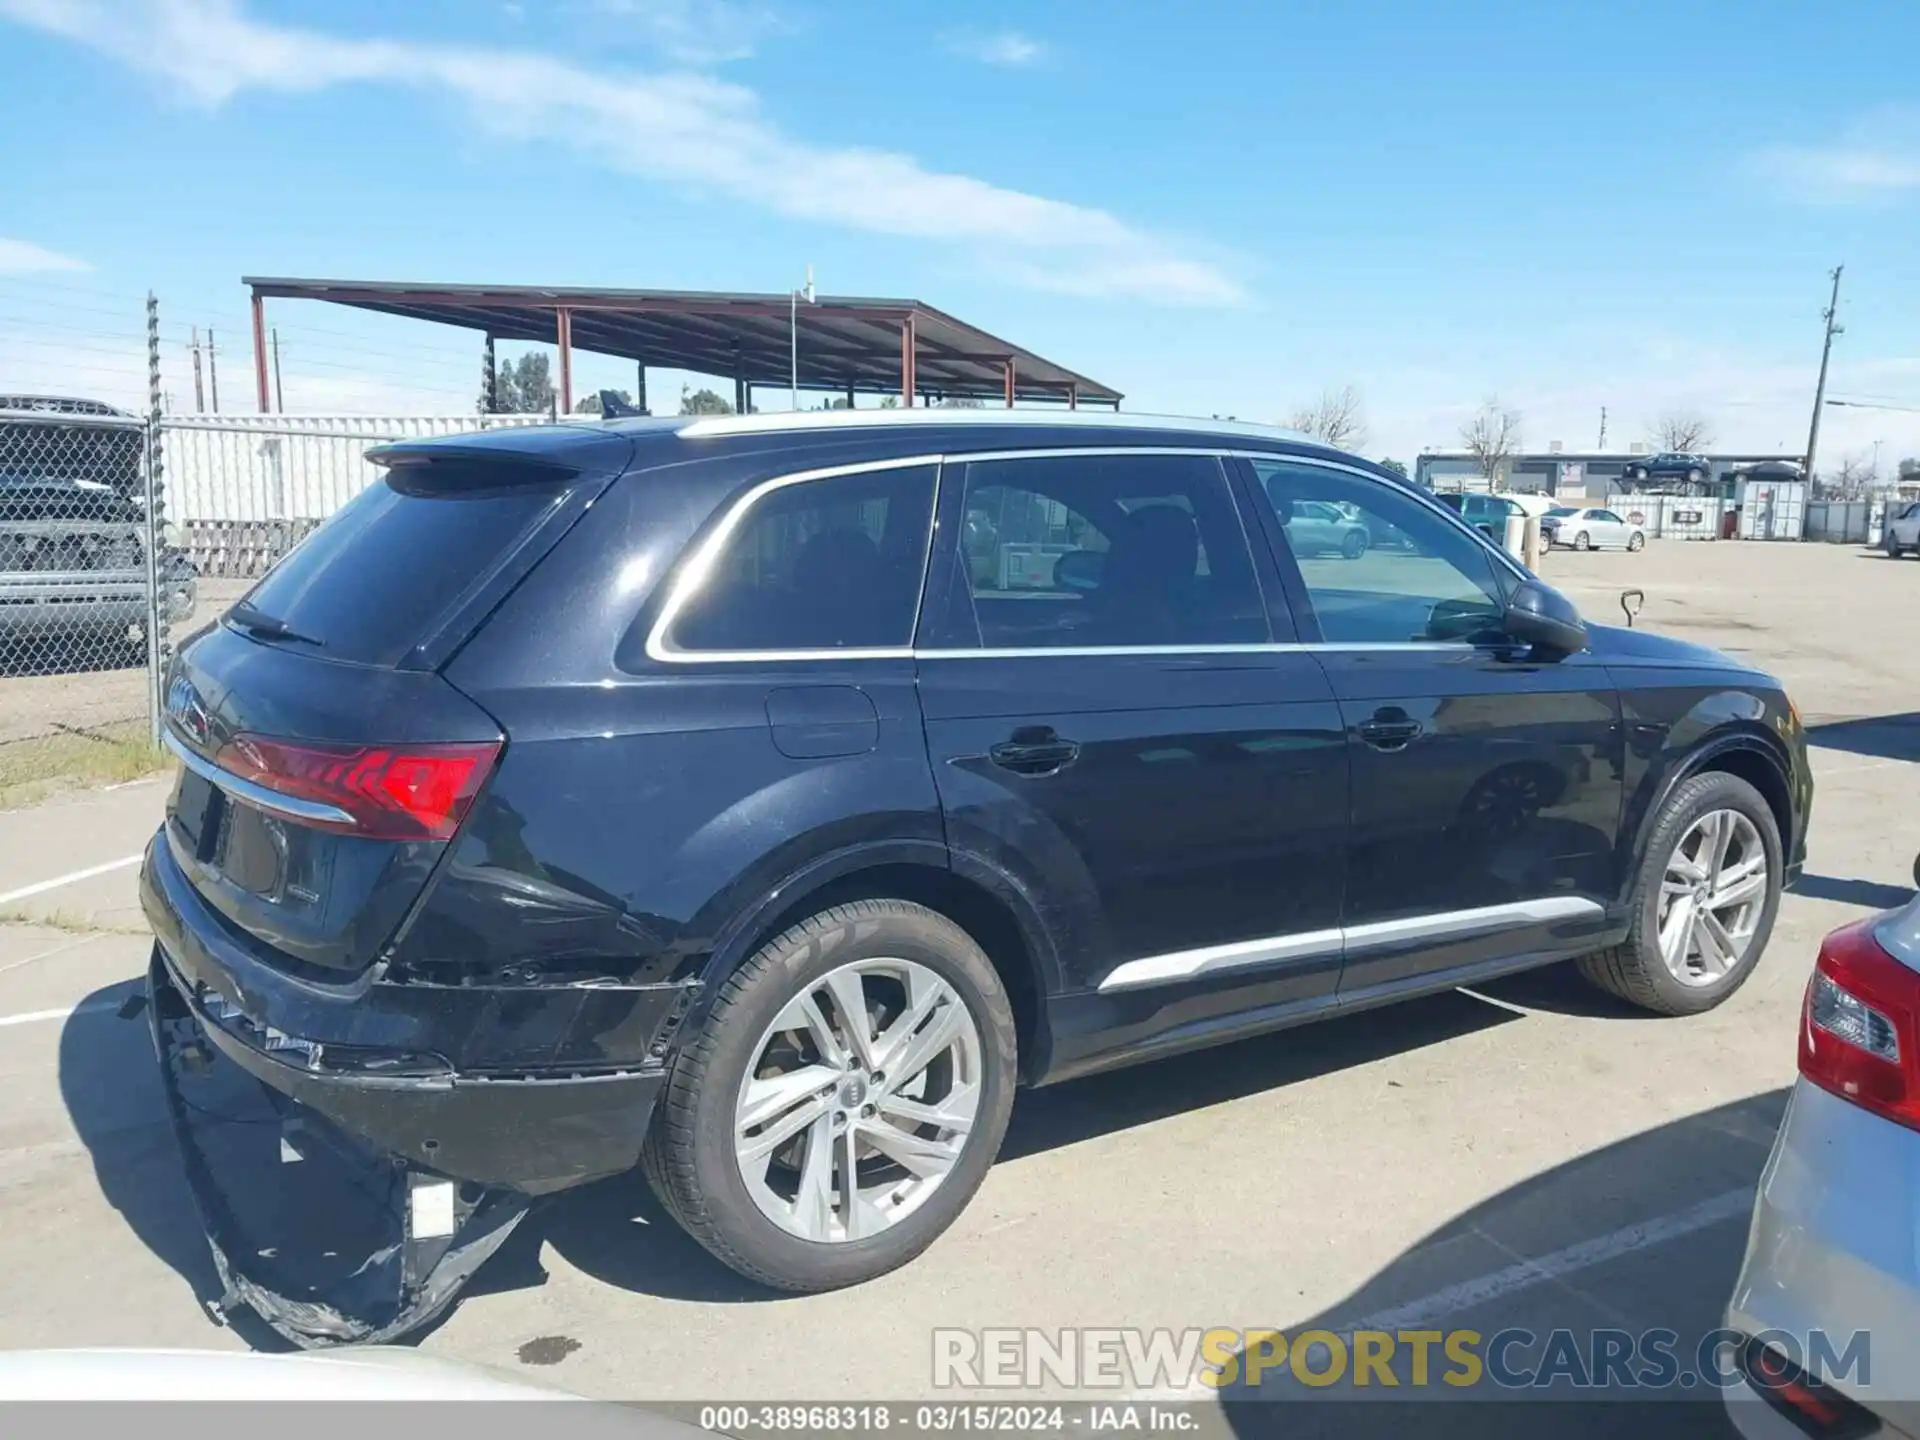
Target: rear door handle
<point>1390,730</point>
<point>1035,750</point>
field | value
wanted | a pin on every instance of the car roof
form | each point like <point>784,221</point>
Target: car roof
<point>876,432</point>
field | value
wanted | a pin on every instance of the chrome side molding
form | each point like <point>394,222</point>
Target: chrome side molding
<point>1180,965</point>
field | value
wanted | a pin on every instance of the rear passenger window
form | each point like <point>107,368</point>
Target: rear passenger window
<point>831,564</point>
<point>1104,550</point>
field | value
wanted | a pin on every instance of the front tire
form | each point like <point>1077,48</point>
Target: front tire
<point>842,1101</point>
<point>1703,902</point>
<point>1354,545</point>
<point>1636,541</point>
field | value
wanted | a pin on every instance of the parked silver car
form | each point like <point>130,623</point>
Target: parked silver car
<point>1902,535</point>
<point>73,572</point>
<point>1828,1300</point>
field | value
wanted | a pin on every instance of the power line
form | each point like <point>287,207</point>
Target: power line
<point>1863,405</point>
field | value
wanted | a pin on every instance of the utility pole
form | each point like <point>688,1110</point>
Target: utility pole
<point>199,389</point>
<point>279,396</point>
<point>1833,328</point>
<point>213,370</point>
<point>1603,429</point>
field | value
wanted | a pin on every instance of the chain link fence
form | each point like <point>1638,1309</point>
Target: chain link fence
<point>89,588</point>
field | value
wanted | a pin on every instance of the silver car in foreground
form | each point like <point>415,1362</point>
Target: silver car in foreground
<point>1828,1300</point>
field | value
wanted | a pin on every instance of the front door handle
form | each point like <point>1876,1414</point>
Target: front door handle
<point>1035,750</point>
<point>1390,730</point>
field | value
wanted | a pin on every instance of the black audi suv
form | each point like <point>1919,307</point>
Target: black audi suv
<point>761,800</point>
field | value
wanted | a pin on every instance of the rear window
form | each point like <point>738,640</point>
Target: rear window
<point>370,583</point>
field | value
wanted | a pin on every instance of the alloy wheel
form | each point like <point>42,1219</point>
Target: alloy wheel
<point>859,1101</point>
<point>1712,896</point>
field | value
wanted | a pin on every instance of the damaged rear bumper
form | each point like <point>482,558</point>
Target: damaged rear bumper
<point>374,1058</point>
<point>328,1241</point>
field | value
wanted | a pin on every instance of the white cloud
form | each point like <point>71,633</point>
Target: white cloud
<point>687,129</point>
<point>1875,158</point>
<point>23,257</point>
<point>689,32</point>
<point>1008,48</point>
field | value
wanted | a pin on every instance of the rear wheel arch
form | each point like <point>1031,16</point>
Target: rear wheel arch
<point>994,916</point>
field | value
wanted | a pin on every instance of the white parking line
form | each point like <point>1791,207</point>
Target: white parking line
<point>72,877</point>
<point>1525,1274</point>
<point>34,1017</point>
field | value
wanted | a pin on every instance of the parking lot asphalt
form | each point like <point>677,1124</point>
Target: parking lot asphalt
<point>1534,1155</point>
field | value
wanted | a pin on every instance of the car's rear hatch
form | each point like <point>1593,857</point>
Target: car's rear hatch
<point>325,762</point>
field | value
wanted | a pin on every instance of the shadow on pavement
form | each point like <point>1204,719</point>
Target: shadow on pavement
<point>1885,737</point>
<point>111,1086</point>
<point>617,1232</point>
<point>1868,894</point>
<point>1557,1251</point>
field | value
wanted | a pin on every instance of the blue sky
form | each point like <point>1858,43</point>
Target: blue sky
<point>1217,208</point>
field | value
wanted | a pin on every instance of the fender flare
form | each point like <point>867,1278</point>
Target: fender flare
<point>1721,742</point>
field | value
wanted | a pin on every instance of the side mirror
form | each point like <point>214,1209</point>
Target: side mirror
<point>1485,527</point>
<point>1079,569</point>
<point>1540,616</point>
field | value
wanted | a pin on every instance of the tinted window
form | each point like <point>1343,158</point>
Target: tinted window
<point>1395,571</point>
<point>369,584</point>
<point>1609,516</point>
<point>1107,550</point>
<point>827,564</point>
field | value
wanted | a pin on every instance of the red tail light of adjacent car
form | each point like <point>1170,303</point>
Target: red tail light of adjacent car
<point>1858,1035</point>
<point>399,792</point>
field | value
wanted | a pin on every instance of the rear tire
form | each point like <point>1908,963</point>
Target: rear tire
<point>1638,969</point>
<point>1581,542</point>
<point>1354,545</point>
<point>695,1157</point>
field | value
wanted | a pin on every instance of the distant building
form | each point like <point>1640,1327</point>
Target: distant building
<point>1581,474</point>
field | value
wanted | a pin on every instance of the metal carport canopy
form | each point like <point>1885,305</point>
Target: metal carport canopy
<point>847,344</point>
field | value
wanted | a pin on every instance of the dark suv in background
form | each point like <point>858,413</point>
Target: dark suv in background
<point>762,799</point>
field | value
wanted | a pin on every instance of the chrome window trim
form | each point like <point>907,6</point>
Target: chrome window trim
<point>1176,966</point>
<point>1272,647</point>
<point>292,806</point>
<point>696,569</point>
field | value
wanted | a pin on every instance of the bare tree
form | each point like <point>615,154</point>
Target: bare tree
<point>1854,477</point>
<point>1338,417</point>
<point>1682,432</point>
<point>1492,437</point>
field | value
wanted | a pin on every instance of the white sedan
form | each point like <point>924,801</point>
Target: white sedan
<point>1590,529</point>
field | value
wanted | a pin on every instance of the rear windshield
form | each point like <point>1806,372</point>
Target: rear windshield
<point>370,583</point>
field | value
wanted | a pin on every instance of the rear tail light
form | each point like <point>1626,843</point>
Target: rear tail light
<point>384,792</point>
<point>1857,1033</point>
